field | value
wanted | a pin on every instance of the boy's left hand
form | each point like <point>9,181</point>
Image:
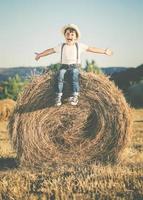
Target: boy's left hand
<point>108,52</point>
<point>37,56</point>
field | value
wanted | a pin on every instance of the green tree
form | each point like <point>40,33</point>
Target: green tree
<point>52,67</point>
<point>12,87</point>
<point>92,67</point>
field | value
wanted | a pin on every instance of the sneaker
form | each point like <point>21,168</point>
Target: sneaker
<point>58,100</point>
<point>73,100</point>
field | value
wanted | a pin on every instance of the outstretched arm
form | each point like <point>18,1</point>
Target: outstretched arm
<point>101,51</point>
<point>44,53</point>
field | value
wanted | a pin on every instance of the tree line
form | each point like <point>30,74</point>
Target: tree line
<point>13,86</point>
<point>125,80</point>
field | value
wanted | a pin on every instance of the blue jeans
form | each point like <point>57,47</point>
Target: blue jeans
<point>74,78</point>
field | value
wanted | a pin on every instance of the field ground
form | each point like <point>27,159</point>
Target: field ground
<point>119,182</point>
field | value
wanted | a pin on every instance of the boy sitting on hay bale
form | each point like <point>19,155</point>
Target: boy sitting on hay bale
<point>70,52</point>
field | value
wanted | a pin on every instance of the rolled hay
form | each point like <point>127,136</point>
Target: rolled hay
<point>96,130</point>
<point>6,108</point>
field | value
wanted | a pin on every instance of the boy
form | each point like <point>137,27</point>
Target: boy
<point>70,52</point>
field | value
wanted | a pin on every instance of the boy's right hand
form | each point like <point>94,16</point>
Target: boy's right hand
<point>37,56</point>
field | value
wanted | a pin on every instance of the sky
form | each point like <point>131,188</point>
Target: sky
<point>28,26</point>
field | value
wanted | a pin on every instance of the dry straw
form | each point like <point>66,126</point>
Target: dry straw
<point>6,108</point>
<point>96,130</point>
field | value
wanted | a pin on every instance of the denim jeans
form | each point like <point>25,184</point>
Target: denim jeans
<point>74,78</point>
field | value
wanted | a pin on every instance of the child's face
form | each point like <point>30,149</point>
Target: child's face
<point>70,36</point>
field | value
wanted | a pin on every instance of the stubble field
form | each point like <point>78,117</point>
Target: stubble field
<point>122,181</point>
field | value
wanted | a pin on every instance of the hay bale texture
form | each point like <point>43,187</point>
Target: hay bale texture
<point>96,130</point>
<point>6,108</point>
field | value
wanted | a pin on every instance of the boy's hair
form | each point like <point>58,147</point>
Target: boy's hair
<point>71,30</point>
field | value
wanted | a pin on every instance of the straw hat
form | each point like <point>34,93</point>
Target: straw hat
<point>75,27</point>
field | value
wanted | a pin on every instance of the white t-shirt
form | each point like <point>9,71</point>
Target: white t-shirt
<point>69,54</point>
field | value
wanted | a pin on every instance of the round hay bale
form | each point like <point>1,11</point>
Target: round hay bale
<point>6,108</point>
<point>96,130</point>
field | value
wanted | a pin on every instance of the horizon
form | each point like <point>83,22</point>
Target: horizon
<point>56,63</point>
<point>33,26</point>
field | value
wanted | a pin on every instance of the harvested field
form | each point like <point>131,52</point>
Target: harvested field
<point>73,183</point>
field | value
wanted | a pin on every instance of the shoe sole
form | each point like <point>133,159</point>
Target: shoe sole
<point>74,104</point>
<point>58,104</point>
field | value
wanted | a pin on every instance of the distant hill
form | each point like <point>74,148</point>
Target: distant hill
<point>125,79</point>
<point>112,70</point>
<point>26,72</point>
